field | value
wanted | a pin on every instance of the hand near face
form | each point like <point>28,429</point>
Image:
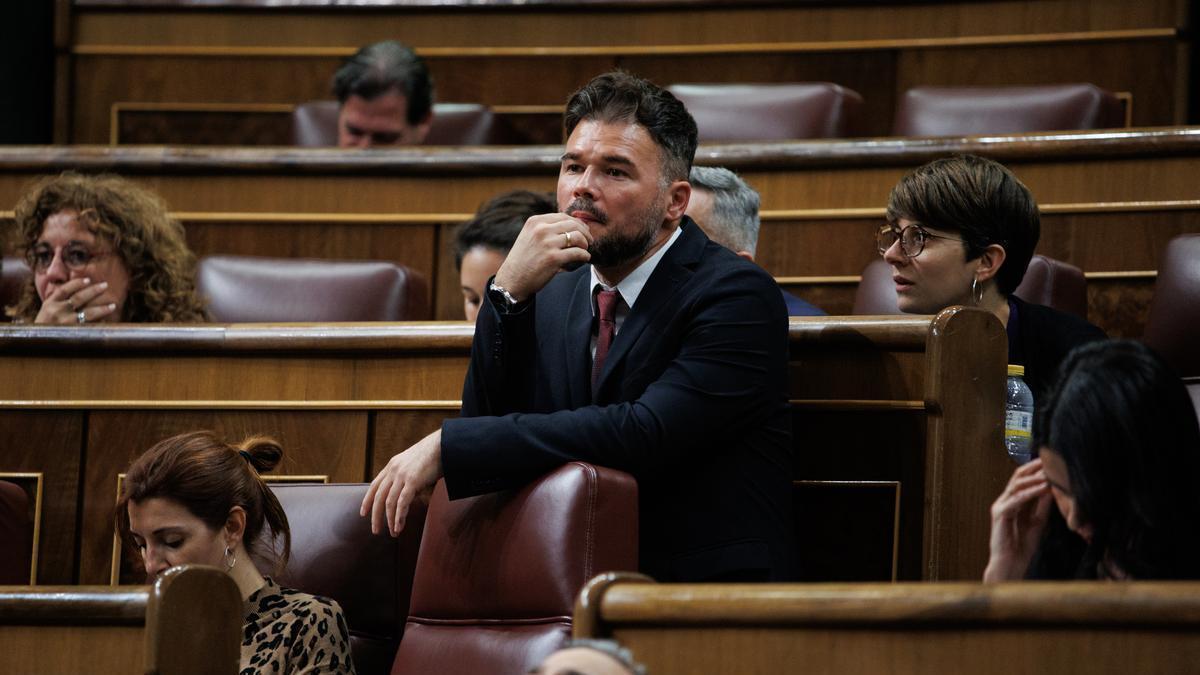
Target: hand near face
<point>77,295</point>
<point>407,476</point>
<point>547,244</point>
<point>1019,517</point>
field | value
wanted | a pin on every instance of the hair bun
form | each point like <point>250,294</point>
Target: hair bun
<point>262,452</point>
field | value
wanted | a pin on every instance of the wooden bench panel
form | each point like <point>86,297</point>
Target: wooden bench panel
<point>1093,627</point>
<point>188,622</point>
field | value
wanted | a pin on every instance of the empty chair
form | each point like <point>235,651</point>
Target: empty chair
<point>13,275</point>
<point>314,124</point>
<point>769,112</point>
<point>1047,282</point>
<point>1173,328</point>
<point>335,555</point>
<point>498,574</point>
<point>16,535</point>
<point>966,111</point>
<point>240,289</point>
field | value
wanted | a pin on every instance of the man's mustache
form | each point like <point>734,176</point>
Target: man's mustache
<point>589,207</point>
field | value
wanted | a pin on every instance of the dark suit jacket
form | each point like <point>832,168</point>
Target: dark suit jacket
<point>692,402</point>
<point>1040,337</point>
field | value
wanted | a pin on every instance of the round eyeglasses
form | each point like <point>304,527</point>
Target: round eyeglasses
<point>912,239</point>
<point>74,256</point>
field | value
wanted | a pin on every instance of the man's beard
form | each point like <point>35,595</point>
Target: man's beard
<point>619,248</point>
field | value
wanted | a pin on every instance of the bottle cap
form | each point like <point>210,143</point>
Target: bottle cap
<point>1016,371</point>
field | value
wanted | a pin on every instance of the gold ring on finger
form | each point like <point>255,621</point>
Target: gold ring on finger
<point>567,235</point>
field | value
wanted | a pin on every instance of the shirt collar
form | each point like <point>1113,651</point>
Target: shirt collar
<point>631,286</point>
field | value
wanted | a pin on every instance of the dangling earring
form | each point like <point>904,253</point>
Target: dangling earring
<point>976,291</point>
<point>230,559</point>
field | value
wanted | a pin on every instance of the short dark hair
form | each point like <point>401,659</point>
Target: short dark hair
<point>1123,423</point>
<point>498,222</point>
<point>384,66</point>
<point>621,97</point>
<point>980,199</point>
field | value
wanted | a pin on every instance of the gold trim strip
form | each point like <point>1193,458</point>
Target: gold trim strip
<point>1055,209</point>
<point>1130,274</point>
<point>155,106</point>
<point>851,280</point>
<point>855,404</point>
<point>639,50</point>
<point>218,404</point>
<point>39,482</point>
<point>219,217</point>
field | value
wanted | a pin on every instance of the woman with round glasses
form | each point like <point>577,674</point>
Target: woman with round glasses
<point>961,231</point>
<point>102,250</point>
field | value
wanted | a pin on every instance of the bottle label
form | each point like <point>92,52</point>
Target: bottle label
<point>1018,424</point>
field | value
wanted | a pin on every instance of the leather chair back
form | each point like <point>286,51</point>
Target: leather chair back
<point>1173,327</point>
<point>14,274</point>
<point>335,555</point>
<point>966,111</point>
<point>1047,282</point>
<point>1055,284</point>
<point>498,574</point>
<point>241,289</point>
<point>770,112</point>
<point>314,124</point>
<point>16,535</point>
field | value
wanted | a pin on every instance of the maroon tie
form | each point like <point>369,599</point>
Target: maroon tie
<point>606,306</point>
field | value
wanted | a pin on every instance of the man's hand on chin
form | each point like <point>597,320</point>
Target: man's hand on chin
<point>408,475</point>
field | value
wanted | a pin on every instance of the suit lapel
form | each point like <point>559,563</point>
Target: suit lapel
<point>668,278</point>
<point>578,332</point>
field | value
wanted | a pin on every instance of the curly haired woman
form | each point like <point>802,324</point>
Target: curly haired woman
<point>102,249</point>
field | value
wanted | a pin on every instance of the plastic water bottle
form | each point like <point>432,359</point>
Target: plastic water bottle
<point>1018,417</point>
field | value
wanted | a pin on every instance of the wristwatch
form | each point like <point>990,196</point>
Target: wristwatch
<point>502,298</point>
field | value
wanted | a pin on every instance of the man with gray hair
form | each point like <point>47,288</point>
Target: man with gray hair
<point>386,97</point>
<point>726,208</point>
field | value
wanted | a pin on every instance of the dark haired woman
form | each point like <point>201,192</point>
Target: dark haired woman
<point>1119,452</point>
<point>961,231</point>
<point>195,499</point>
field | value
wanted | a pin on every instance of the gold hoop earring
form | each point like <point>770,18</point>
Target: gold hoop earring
<point>230,559</point>
<point>976,291</point>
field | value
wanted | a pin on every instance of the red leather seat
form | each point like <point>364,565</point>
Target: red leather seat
<point>1173,328</point>
<point>314,124</point>
<point>967,111</point>
<point>498,574</point>
<point>335,555</point>
<point>1047,282</point>
<point>242,289</point>
<point>14,274</point>
<point>769,112</point>
<point>16,535</point>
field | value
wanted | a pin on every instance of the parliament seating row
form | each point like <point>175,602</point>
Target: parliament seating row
<point>914,405</point>
<point>1110,202</point>
<point>903,629</point>
<point>784,111</point>
<point>136,70</point>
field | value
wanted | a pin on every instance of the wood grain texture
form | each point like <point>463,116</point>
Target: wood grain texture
<point>49,442</point>
<point>1090,627</point>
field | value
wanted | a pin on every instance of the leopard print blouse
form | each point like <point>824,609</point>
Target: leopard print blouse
<point>287,632</point>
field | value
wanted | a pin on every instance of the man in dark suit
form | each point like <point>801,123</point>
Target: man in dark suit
<point>666,356</point>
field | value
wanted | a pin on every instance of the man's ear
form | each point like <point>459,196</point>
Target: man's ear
<point>988,264</point>
<point>678,195</point>
<point>235,526</point>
